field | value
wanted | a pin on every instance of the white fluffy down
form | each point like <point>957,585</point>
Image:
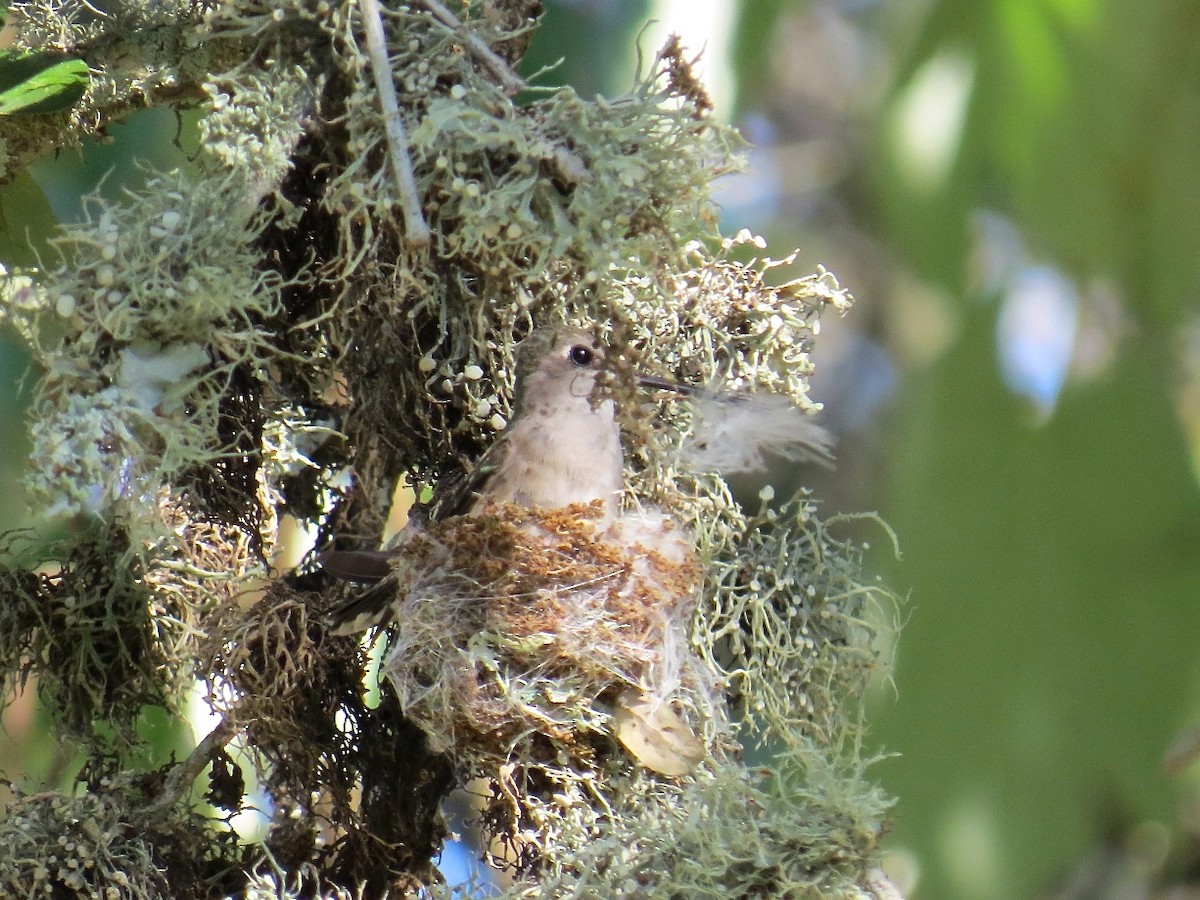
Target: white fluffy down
<point>733,433</point>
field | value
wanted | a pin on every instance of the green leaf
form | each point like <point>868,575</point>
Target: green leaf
<point>40,82</point>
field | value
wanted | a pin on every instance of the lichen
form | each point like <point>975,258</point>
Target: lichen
<point>788,830</point>
<point>256,338</point>
<point>146,331</point>
<point>105,845</point>
<point>140,55</point>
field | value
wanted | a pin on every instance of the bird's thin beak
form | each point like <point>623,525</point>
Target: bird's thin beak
<point>655,383</point>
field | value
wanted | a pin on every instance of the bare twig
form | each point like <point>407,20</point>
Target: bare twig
<point>415,228</point>
<point>181,777</point>
<point>509,80</point>
<point>569,165</point>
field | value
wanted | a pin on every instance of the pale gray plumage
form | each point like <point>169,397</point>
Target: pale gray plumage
<point>736,433</point>
<point>561,447</point>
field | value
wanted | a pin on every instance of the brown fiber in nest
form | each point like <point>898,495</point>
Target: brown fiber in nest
<point>520,622</point>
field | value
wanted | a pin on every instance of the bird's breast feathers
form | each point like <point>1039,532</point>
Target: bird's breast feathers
<point>556,460</point>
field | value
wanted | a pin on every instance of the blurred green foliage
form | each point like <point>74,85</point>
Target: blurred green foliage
<point>1082,126</point>
<point>1054,568</point>
<point>1050,655</point>
<point>32,83</point>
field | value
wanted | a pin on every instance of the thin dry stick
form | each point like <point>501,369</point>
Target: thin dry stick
<point>509,80</point>
<point>415,228</point>
<point>570,166</point>
<point>181,777</point>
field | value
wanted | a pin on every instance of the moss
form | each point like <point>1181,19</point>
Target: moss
<point>90,634</point>
<point>726,832</point>
<point>258,338</point>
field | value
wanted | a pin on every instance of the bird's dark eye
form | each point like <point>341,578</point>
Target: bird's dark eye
<point>581,355</point>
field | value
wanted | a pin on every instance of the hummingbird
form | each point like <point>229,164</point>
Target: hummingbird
<point>562,447</point>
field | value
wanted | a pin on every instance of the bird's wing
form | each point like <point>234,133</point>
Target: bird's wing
<point>460,495</point>
<point>374,567</point>
<point>370,608</point>
<point>363,566</point>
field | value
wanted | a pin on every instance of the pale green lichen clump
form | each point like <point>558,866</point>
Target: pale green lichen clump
<point>142,336</point>
<point>94,846</point>
<point>256,338</point>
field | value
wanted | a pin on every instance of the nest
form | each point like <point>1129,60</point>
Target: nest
<point>518,629</point>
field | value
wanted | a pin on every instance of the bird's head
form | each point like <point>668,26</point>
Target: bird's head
<point>557,365</point>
